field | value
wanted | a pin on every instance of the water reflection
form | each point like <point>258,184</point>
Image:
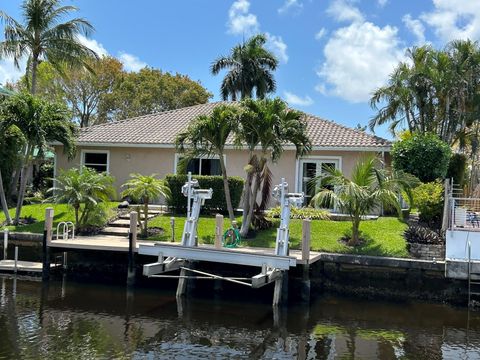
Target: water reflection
<point>82,321</point>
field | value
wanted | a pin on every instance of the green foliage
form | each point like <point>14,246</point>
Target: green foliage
<point>456,168</point>
<point>301,213</point>
<point>84,189</point>
<point>424,156</point>
<point>11,143</point>
<point>416,234</point>
<point>42,178</point>
<point>428,198</point>
<point>218,203</point>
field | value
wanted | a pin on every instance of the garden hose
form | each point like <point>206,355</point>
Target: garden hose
<point>231,238</point>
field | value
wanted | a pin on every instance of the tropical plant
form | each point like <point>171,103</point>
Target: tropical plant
<point>40,122</point>
<point>206,136</point>
<point>83,189</point>
<point>145,189</point>
<point>368,188</point>
<point>250,67</point>
<point>269,125</point>
<point>428,198</point>
<point>42,36</point>
<point>422,155</point>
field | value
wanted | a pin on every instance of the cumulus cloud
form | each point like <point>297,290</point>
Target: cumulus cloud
<point>240,20</point>
<point>276,45</point>
<point>9,73</point>
<point>93,45</point>
<point>320,34</point>
<point>358,59</point>
<point>293,99</point>
<point>454,19</point>
<point>290,5</point>
<point>131,62</point>
<point>382,3</point>
<point>416,27</point>
<point>344,10</point>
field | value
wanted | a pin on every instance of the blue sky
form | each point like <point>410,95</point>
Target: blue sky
<point>333,53</point>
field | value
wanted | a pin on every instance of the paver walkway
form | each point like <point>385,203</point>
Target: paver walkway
<point>121,225</point>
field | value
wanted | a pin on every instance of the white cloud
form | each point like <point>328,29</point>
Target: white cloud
<point>344,10</point>
<point>416,27</point>
<point>358,59</point>
<point>276,45</point>
<point>290,5</point>
<point>382,3</point>
<point>293,99</point>
<point>93,45</point>
<point>320,34</point>
<point>9,73</point>
<point>455,19</point>
<point>131,62</point>
<point>240,20</point>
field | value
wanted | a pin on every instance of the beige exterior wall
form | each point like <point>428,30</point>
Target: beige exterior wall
<point>126,160</point>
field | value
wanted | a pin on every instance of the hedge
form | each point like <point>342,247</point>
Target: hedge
<point>178,202</point>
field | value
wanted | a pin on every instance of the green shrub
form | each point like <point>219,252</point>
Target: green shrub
<point>301,213</point>
<point>456,168</point>
<point>416,234</point>
<point>178,202</point>
<point>428,198</point>
<point>422,155</point>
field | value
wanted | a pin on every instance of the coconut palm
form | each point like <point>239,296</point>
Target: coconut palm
<point>43,36</point>
<point>269,125</point>
<point>369,187</point>
<point>207,136</point>
<point>40,122</point>
<point>250,68</point>
<point>145,188</point>
<point>82,187</point>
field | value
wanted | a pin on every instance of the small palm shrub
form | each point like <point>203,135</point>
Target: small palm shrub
<point>301,213</point>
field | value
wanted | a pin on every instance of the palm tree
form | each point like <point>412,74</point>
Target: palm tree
<point>250,68</point>
<point>40,122</point>
<point>145,188</point>
<point>207,136</point>
<point>368,187</point>
<point>269,125</point>
<point>86,187</point>
<point>42,36</point>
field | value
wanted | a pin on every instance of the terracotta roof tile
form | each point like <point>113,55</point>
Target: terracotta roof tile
<point>162,128</point>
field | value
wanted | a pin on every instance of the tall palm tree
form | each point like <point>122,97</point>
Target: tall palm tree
<point>145,188</point>
<point>40,122</point>
<point>42,36</point>
<point>250,67</point>
<point>207,136</point>
<point>270,125</point>
<point>368,187</point>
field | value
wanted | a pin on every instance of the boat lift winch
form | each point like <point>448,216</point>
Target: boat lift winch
<point>177,257</point>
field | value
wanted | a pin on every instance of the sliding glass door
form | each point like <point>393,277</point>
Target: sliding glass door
<point>311,173</point>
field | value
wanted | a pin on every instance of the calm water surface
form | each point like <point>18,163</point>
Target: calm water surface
<point>68,320</point>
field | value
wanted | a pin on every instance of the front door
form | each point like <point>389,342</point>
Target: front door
<point>311,173</point>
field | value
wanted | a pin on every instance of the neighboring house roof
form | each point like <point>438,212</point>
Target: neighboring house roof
<point>160,130</point>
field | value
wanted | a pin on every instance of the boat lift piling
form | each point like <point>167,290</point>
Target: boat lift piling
<point>178,257</point>
<point>47,238</point>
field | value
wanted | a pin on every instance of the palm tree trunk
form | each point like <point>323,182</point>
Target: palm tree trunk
<point>76,208</point>
<point>246,199</point>
<point>355,232</point>
<point>226,187</point>
<point>23,183</point>
<point>34,74</point>
<point>3,201</point>
<point>251,208</point>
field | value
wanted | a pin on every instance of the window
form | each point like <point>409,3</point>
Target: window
<point>97,160</point>
<point>202,166</point>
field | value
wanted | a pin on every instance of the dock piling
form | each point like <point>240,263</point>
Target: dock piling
<point>218,231</point>
<point>47,238</point>
<point>5,244</point>
<point>172,224</point>
<point>15,266</point>
<point>132,244</point>
<point>306,237</point>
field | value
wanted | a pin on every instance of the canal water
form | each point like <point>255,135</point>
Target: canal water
<point>72,320</point>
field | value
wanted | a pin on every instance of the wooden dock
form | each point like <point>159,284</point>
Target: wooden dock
<point>22,266</point>
<point>120,244</point>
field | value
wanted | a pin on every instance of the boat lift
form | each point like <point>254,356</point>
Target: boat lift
<point>177,257</point>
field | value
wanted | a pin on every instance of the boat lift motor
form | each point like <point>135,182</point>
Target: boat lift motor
<point>195,199</point>
<point>286,199</point>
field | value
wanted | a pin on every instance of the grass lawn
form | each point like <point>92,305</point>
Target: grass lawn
<point>61,212</point>
<point>384,235</point>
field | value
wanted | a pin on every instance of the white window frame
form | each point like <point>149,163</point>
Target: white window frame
<point>178,156</point>
<point>86,151</point>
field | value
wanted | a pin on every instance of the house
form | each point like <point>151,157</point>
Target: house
<point>146,145</point>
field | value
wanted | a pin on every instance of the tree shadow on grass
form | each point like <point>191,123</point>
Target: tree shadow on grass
<point>370,247</point>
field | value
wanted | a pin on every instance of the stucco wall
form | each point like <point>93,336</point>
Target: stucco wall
<point>124,161</point>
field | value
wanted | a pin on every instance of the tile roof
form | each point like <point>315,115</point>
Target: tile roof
<point>162,128</point>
